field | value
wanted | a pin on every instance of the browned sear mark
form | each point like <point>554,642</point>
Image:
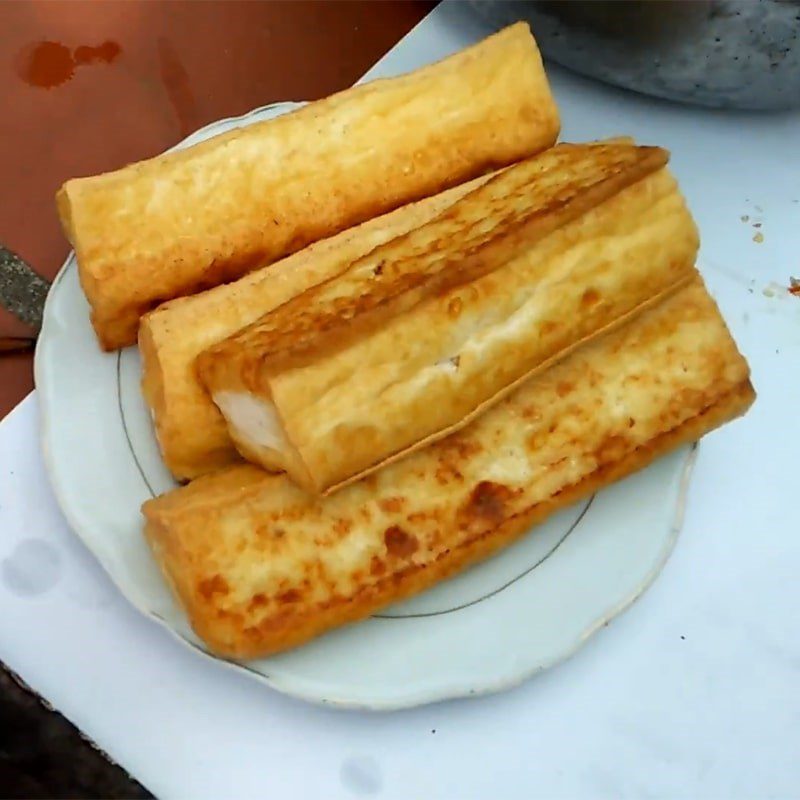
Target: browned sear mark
<point>392,505</point>
<point>455,447</point>
<point>548,326</point>
<point>289,596</point>
<point>399,542</point>
<point>487,502</point>
<point>342,526</point>
<point>376,566</point>
<point>211,586</point>
<point>564,388</point>
<point>447,472</point>
<point>590,297</point>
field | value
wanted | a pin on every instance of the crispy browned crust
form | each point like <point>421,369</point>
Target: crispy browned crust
<point>450,251</point>
<point>282,634</point>
<point>261,567</point>
<point>424,334</point>
<point>206,215</point>
<point>190,430</point>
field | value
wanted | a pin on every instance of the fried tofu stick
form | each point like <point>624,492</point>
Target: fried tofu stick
<point>261,566</point>
<point>191,432</point>
<point>426,332</point>
<point>208,214</point>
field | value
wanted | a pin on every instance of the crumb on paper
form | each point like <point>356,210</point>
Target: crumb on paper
<point>745,217</point>
<point>756,224</point>
<point>758,238</point>
<point>794,286</point>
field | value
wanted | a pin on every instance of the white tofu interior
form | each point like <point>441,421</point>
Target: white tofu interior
<point>254,419</point>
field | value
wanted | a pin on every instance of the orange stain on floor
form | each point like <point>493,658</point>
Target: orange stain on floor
<point>47,64</point>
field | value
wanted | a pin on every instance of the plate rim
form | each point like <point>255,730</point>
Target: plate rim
<point>410,699</point>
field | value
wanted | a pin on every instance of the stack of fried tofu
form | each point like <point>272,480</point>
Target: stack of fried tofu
<point>424,323</point>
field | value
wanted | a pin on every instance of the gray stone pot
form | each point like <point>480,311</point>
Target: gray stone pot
<point>720,53</point>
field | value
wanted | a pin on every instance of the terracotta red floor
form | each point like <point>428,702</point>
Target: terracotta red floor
<point>89,86</point>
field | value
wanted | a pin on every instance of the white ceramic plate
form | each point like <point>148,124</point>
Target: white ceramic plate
<point>487,629</point>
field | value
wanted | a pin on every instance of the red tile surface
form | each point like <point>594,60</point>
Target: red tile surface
<point>89,86</point>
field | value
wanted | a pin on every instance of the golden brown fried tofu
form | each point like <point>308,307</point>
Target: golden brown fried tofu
<point>191,431</point>
<point>423,334</point>
<point>206,215</point>
<point>260,565</point>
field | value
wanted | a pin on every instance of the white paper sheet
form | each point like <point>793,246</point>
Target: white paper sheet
<point>692,693</point>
